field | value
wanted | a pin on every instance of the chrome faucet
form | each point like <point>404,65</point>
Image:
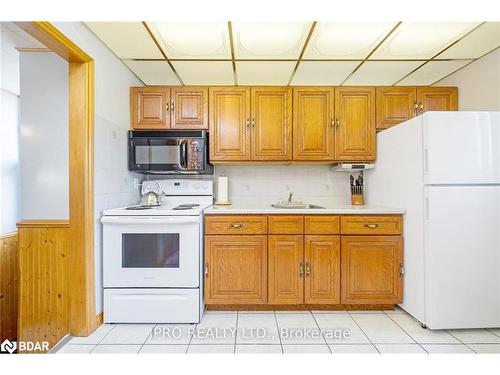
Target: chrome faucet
<point>290,197</point>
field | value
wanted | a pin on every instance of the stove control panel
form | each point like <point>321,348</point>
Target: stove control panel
<point>179,186</point>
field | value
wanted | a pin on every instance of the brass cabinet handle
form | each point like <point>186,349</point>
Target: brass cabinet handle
<point>332,123</point>
<point>166,107</point>
<point>253,122</point>
<point>401,269</point>
<point>308,269</point>
<point>337,122</point>
<point>301,269</point>
<point>415,108</point>
<point>371,226</point>
<point>248,122</point>
<point>172,106</point>
<point>236,226</point>
<point>420,107</point>
<point>206,269</point>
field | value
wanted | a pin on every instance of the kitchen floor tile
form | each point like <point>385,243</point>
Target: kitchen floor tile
<point>486,348</point>
<point>475,336</point>
<point>257,329</point>
<point>353,349</point>
<point>95,337</point>
<point>447,348</point>
<point>400,348</point>
<point>380,329</point>
<point>76,349</point>
<point>335,326</point>
<point>214,349</point>
<point>306,349</point>
<point>125,349</point>
<point>171,334</point>
<point>298,329</point>
<point>216,328</point>
<point>258,349</point>
<point>128,334</point>
<point>421,335</point>
<point>159,349</point>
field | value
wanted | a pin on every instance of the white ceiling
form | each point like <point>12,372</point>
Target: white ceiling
<point>296,53</point>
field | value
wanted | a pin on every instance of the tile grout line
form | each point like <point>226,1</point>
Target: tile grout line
<point>113,326</point>
<point>369,339</point>
<point>279,333</point>
<point>493,333</point>
<point>236,333</point>
<point>447,330</point>
<point>145,341</point>
<point>410,336</point>
<point>191,338</point>
<point>321,332</point>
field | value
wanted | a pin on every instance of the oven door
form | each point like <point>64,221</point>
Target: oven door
<point>158,154</point>
<point>151,251</point>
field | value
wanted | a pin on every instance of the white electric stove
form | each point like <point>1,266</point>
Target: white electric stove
<point>153,258</point>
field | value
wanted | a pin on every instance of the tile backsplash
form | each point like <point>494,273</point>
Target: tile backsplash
<point>275,182</point>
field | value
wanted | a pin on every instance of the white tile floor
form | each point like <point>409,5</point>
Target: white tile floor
<point>301,332</point>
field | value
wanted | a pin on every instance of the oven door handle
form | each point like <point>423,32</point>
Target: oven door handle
<point>183,154</point>
<point>147,220</point>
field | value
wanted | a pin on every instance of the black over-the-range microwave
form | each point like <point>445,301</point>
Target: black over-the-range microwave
<point>169,152</point>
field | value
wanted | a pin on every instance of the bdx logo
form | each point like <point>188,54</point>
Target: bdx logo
<point>8,346</point>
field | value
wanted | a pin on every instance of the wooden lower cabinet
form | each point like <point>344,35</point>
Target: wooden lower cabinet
<point>285,269</point>
<point>372,269</point>
<point>236,269</point>
<point>322,269</point>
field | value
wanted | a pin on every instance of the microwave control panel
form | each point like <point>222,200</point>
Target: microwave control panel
<point>196,154</point>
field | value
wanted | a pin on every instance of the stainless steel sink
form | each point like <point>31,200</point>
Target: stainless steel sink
<point>296,205</point>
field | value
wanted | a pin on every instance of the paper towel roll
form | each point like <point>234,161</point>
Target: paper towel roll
<point>222,189</point>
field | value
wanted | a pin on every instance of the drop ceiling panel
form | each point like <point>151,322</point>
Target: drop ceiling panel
<point>264,72</point>
<point>373,73</point>
<point>346,40</point>
<point>432,71</point>
<point>193,40</point>
<point>420,40</point>
<point>482,40</point>
<point>153,72</point>
<point>128,40</point>
<point>323,73</point>
<point>266,40</point>
<point>205,72</point>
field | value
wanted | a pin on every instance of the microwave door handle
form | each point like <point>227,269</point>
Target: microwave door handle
<point>183,153</point>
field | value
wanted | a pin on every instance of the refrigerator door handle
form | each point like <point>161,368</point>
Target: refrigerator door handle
<point>426,160</point>
<point>427,216</point>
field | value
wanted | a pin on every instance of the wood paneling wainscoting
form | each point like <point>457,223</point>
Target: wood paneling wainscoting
<point>43,281</point>
<point>8,286</point>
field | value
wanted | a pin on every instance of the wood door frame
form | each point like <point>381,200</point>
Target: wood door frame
<point>81,174</point>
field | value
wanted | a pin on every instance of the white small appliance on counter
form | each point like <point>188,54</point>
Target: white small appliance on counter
<point>153,258</point>
<point>443,168</point>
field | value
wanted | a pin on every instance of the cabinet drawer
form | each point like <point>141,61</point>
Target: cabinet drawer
<point>387,224</point>
<point>235,224</point>
<point>322,224</point>
<point>284,224</point>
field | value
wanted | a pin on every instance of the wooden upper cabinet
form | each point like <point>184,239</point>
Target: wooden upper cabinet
<point>437,99</point>
<point>313,132</point>
<point>395,105</point>
<point>286,269</point>
<point>229,123</point>
<point>371,269</point>
<point>322,269</point>
<point>149,107</point>
<point>355,124</point>
<point>271,122</point>
<point>235,269</point>
<point>189,108</point>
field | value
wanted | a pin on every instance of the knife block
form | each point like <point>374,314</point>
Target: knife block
<point>357,199</point>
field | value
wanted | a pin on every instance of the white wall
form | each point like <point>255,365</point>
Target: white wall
<point>478,84</point>
<point>113,185</point>
<point>267,184</point>
<point>44,142</point>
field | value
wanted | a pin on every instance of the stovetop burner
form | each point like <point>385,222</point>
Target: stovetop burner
<point>139,207</point>
<point>186,206</point>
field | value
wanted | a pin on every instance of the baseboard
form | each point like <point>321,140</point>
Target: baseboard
<point>301,307</point>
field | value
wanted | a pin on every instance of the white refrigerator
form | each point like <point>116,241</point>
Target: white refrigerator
<point>443,168</point>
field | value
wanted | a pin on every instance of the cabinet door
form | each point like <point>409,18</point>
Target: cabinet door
<point>189,107</point>
<point>355,124</point>
<point>286,269</point>
<point>322,269</point>
<point>313,132</point>
<point>437,99</point>
<point>229,124</point>
<point>235,269</point>
<point>371,269</point>
<point>271,123</point>
<point>150,107</point>
<point>395,105</point>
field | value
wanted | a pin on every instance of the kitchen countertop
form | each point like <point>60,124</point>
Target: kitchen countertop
<point>253,207</point>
